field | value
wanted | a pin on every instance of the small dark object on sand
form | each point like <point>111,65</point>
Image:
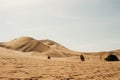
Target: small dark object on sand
<point>49,57</point>
<point>82,58</point>
<point>112,58</point>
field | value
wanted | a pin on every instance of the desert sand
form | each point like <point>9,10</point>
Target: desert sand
<point>25,58</point>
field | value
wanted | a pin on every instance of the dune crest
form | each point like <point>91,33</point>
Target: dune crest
<point>38,47</point>
<point>26,44</point>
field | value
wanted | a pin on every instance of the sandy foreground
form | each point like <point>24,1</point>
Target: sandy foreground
<point>24,67</point>
<point>17,62</point>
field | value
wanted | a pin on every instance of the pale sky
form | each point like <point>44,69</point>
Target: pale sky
<point>80,25</point>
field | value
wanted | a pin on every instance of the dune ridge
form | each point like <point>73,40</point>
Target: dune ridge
<point>38,47</point>
<point>26,44</point>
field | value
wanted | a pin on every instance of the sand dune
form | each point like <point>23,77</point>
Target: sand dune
<point>38,47</point>
<point>26,44</point>
<point>25,58</point>
<point>53,44</point>
<point>47,47</point>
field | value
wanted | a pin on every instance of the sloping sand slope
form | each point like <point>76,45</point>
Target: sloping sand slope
<point>35,47</point>
<point>15,65</point>
<point>26,44</point>
<point>38,47</point>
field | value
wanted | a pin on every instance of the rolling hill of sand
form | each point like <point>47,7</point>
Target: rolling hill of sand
<point>38,47</point>
<point>26,44</point>
<point>25,58</point>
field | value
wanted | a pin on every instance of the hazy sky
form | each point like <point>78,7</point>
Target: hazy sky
<point>81,25</point>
